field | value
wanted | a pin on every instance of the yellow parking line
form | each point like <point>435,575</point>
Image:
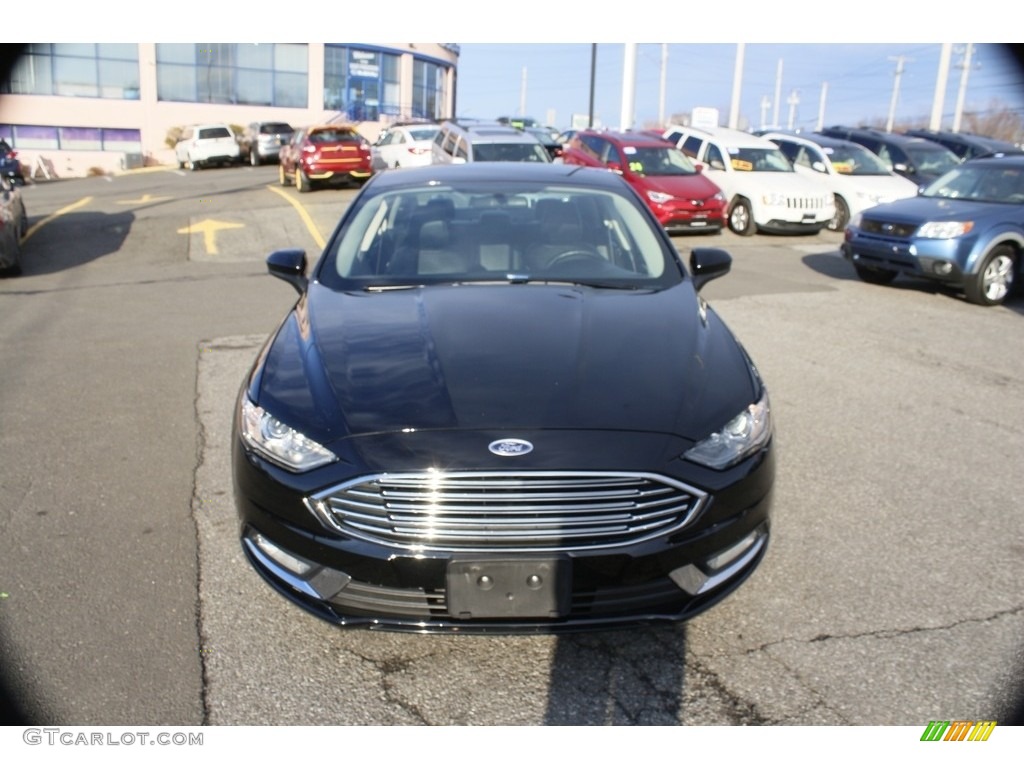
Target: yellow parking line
<point>56,214</point>
<point>303,214</point>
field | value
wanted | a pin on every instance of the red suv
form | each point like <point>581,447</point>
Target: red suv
<point>325,154</point>
<point>681,197</point>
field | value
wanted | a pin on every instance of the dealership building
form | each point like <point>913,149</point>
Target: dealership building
<point>70,109</point>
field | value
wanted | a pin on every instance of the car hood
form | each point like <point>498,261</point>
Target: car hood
<point>528,357</point>
<point>696,187</point>
<point>755,183</point>
<point>917,210</point>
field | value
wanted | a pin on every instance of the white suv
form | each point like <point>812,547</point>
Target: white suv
<point>208,144</point>
<point>762,189</point>
<point>857,176</point>
<point>469,142</point>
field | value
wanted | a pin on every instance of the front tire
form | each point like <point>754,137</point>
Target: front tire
<point>741,218</point>
<point>994,280</point>
<point>282,177</point>
<point>254,158</point>
<point>842,217</point>
<point>302,183</point>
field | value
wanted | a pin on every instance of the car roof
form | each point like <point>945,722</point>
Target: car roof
<point>494,133</point>
<point>546,173</point>
<point>729,136</point>
<point>629,137</point>
<point>818,139</point>
<point>899,139</point>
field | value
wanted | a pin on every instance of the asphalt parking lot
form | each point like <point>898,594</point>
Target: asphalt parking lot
<point>890,595</point>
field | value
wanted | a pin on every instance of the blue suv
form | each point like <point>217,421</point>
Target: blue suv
<point>965,229</point>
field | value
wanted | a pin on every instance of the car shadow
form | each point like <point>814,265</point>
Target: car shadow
<point>840,269</point>
<point>630,677</point>
<point>72,240</point>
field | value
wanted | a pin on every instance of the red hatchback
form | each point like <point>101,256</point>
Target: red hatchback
<point>683,199</point>
<point>325,154</point>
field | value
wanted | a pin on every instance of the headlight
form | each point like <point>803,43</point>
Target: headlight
<point>745,434</point>
<point>773,198</point>
<point>659,197</point>
<point>276,441</point>
<point>944,230</point>
<point>719,196</point>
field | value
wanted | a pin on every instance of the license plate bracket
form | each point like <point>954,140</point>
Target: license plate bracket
<point>509,588</point>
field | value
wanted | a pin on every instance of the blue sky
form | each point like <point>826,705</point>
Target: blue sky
<point>860,80</point>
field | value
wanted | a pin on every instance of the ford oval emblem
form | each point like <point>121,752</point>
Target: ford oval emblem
<point>510,447</point>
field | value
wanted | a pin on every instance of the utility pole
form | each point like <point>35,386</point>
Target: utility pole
<point>778,95</point>
<point>965,66</point>
<point>522,96</point>
<point>895,90</point>
<point>593,75</point>
<point>664,80</point>
<point>794,102</point>
<point>626,116</point>
<point>821,107</point>
<point>766,104</point>
<point>737,82</point>
<point>940,87</point>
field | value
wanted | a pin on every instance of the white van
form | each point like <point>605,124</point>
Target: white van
<point>761,187</point>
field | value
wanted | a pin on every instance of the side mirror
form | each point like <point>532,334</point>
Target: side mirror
<point>290,266</point>
<point>615,168</point>
<point>708,263</point>
<point>818,166</point>
<point>698,167</point>
<point>458,160</point>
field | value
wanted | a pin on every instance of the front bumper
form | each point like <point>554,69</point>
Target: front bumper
<point>932,259</point>
<point>352,581</point>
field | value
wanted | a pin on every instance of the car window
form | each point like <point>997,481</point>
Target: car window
<point>658,161</point>
<point>759,159</point>
<point>530,153</point>
<point>276,128</point>
<point>932,161</point>
<point>330,135</point>
<point>980,182</point>
<point>488,231</point>
<point>422,134</point>
<point>612,155</point>
<point>714,157</point>
<point>854,160</point>
<point>215,133</point>
<point>691,147</point>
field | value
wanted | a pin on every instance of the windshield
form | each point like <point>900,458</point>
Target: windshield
<point>981,182</point>
<point>658,161</point>
<point>758,159</point>
<point>332,135</point>
<point>498,231</point>
<point>932,161</point>
<point>423,134</point>
<point>856,161</point>
<point>519,153</point>
<point>276,128</point>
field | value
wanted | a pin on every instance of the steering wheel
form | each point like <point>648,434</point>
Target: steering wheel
<point>574,254</point>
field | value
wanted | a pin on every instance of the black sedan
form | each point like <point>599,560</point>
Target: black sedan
<point>499,404</point>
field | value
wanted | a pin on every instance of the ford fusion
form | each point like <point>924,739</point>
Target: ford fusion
<point>499,404</point>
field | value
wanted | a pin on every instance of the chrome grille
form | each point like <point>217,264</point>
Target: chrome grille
<point>805,203</point>
<point>497,511</point>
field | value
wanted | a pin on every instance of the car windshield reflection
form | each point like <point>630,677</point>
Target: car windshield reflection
<point>980,183</point>
<point>435,234</point>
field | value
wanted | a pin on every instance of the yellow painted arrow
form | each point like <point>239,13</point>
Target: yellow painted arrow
<point>207,227</point>
<point>143,200</point>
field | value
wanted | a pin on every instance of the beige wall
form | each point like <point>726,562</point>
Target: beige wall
<point>154,118</point>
